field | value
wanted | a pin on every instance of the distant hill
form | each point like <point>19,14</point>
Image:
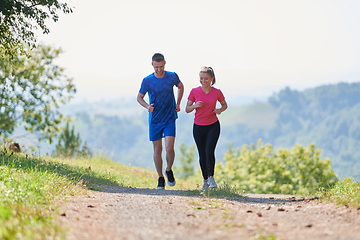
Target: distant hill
<point>327,115</point>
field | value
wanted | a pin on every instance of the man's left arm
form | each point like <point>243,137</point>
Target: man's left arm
<point>180,94</point>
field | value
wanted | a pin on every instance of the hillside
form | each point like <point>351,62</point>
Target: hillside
<point>326,115</point>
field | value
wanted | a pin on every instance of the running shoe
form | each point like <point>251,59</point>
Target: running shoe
<point>205,185</point>
<point>211,182</point>
<point>161,183</point>
<point>170,177</point>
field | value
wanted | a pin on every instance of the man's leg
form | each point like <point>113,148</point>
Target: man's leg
<point>157,156</point>
<point>170,156</point>
<point>170,152</point>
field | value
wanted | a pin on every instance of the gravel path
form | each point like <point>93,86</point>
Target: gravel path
<point>136,214</point>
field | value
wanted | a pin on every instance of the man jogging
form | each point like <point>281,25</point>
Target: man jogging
<point>162,109</point>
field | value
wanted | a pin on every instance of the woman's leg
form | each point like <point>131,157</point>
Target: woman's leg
<point>199,133</point>
<point>211,141</point>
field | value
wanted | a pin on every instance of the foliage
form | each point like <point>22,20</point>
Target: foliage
<point>184,167</point>
<point>20,19</point>
<point>31,91</point>
<point>261,169</point>
<point>345,192</point>
<point>69,144</point>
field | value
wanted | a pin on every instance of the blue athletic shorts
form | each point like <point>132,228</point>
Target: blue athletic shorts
<point>158,131</point>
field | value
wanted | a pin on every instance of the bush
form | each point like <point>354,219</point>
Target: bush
<point>261,169</point>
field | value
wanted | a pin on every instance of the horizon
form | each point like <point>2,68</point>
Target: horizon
<point>244,100</point>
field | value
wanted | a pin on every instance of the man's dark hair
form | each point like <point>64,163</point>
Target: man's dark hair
<point>158,57</point>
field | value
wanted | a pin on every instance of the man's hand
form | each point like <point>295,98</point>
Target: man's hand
<point>177,107</point>
<point>150,108</point>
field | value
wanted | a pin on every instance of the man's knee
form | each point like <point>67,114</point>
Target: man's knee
<point>169,143</point>
<point>170,149</point>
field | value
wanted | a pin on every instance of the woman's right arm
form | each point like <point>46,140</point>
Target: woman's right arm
<point>190,106</point>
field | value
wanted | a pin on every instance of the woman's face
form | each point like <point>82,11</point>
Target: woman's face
<point>205,79</point>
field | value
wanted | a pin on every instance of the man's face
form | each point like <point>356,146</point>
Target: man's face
<point>159,67</point>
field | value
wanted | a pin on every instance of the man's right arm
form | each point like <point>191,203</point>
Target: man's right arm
<point>141,101</point>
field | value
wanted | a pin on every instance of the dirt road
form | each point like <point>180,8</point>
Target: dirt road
<point>134,214</point>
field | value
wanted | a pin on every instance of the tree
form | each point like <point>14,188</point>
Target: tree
<point>261,169</point>
<point>69,144</point>
<point>31,91</point>
<point>19,20</point>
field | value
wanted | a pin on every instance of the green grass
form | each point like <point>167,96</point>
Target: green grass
<point>265,236</point>
<point>223,191</point>
<point>28,187</point>
<point>121,175</point>
<point>345,192</point>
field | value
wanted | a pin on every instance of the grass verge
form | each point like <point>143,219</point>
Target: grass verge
<point>345,192</point>
<point>27,189</point>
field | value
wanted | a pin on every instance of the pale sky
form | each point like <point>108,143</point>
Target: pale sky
<point>255,47</point>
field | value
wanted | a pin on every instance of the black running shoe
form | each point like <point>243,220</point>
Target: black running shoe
<point>161,183</point>
<point>170,177</point>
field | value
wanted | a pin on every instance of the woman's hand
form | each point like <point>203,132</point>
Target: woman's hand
<point>190,106</point>
<point>224,106</point>
<point>198,104</point>
<point>217,111</point>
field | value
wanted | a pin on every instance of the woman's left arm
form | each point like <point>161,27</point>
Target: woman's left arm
<point>223,107</point>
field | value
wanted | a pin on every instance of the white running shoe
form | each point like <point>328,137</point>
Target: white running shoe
<point>205,185</point>
<point>211,182</point>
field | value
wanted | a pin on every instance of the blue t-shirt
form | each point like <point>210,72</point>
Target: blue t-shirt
<point>161,94</point>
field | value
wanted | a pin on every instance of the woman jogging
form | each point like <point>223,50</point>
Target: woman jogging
<point>206,129</point>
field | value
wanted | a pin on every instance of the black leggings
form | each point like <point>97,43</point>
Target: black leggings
<point>206,138</point>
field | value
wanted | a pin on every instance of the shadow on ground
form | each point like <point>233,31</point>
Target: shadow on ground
<point>271,199</point>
